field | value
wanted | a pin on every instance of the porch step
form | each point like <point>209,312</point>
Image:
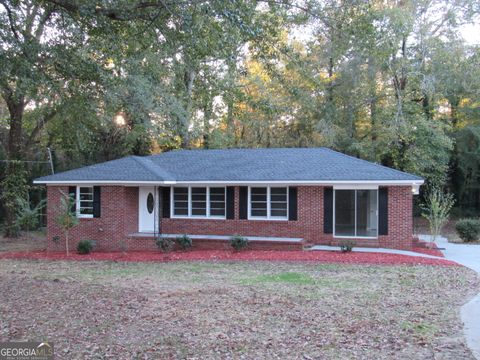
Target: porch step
<point>222,237</point>
<point>417,243</point>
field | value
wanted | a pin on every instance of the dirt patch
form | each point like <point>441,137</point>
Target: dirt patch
<point>27,241</point>
<point>234,310</point>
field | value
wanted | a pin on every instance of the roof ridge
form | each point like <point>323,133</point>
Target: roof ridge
<point>153,168</point>
<point>372,163</point>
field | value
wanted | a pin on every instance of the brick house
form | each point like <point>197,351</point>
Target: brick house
<point>277,198</point>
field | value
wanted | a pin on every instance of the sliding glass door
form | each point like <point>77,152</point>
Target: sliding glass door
<point>356,213</point>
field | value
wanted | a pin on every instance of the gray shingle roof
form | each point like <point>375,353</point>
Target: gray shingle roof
<point>273,164</point>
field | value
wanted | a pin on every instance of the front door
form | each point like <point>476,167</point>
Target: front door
<point>147,209</point>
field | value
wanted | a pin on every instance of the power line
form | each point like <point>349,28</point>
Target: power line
<point>26,161</point>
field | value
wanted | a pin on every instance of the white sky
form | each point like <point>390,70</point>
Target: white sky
<point>471,33</point>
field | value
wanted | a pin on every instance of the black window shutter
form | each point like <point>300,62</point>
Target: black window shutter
<point>328,210</point>
<point>383,211</point>
<point>96,201</point>
<point>166,202</point>
<point>243,211</point>
<point>292,203</point>
<point>72,192</point>
<point>230,202</point>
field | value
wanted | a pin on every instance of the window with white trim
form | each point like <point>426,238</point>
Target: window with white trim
<point>268,203</point>
<point>84,202</point>
<point>199,202</point>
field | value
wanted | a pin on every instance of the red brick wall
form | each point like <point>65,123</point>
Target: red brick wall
<point>119,219</point>
<point>400,218</point>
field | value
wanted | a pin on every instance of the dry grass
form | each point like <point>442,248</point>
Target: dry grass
<point>236,310</point>
<point>27,241</point>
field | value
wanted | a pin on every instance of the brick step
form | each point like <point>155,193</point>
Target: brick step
<point>421,244</point>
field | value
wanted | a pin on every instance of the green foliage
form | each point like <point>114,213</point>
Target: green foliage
<point>28,218</point>
<point>372,79</point>
<point>14,192</point>
<point>85,246</point>
<point>184,242</point>
<point>164,244</point>
<point>468,229</point>
<point>238,242</point>
<point>466,169</point>
<point>436,210</point>
<point>346,246</point>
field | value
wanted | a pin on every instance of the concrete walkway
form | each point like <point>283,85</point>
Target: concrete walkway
<point>375,250</point>
<point>469,256</point>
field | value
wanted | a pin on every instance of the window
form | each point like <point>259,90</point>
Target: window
<point>150,203</point>
<point>199,201</point>
<point>203,202</point>
<point>258,202</point>
<point>84,201</point>
<point>268,203</point>
<point>180,201</point>
<point>356,213</point>
<point>217,201</point>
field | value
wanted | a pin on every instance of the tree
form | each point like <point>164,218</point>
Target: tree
<point>67,218</point>
<point>14,191</point>
<point>436,210</point>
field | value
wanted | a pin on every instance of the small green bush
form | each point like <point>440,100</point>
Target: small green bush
<point>85,246</point>
<point>468,229</point>
<point>346,246</point>
<point>184,242</point>
<point>238,242</point>
<point>165,244</point>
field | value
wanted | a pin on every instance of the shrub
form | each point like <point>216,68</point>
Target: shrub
<point>238,242</point>
<point>468,229</point>
<point>184,242</point>
<point>346,246</point>
<point>165,244</point>
<point>437,210</point>
<point>85,246</point>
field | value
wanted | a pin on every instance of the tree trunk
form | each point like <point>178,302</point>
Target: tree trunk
<point>454,112</point>
<point>66,243</point>
<point>373,104</point>
<point>189,78</point>
<point>207,115</point>
<point>16,106</point>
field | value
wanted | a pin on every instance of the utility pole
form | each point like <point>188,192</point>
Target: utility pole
<point>50,160</point>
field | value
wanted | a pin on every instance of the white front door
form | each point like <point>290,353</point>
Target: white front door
<point>147,209</point>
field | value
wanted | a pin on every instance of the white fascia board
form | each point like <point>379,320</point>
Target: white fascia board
<point>355,187</point>
<point>374,183</point>
<point>101,182</point>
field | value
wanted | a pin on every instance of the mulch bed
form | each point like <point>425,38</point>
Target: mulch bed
<point>248,255</point>
<point>434,251</point>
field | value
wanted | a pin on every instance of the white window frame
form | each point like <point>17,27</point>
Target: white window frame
<point>78,202</point>
<point>355,236</point>
<point>268,217</point>
<point>190,216</point>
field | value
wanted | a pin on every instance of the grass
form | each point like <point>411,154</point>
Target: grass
<point>284,277</point>
<point>221,310</point>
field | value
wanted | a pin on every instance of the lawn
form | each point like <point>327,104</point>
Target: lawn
<point>236,310</point>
